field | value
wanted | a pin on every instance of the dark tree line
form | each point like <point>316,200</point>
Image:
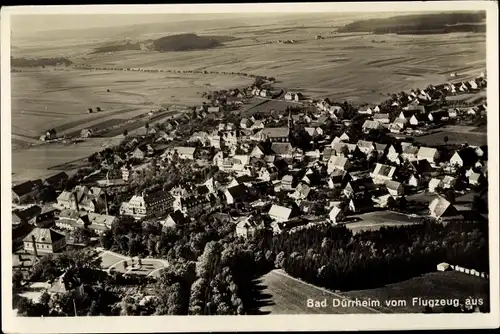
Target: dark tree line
<point>334,258</point>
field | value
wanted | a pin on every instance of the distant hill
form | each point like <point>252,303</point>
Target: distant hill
<point>181,42</point>
<point>35,62</point>
<point>439,23</point>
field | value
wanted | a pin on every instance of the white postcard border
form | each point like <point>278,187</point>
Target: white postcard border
<point>12,324</point>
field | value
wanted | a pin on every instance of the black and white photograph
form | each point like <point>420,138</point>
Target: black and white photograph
<point>250,161</point>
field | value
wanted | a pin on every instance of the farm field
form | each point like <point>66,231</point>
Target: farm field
<point>33,162</point>
<point>456,135</point>
<point>377,219</point>
<point>59,99</point>
<point>282,294</point>
<point>441,285</point>
<point>324,68</point>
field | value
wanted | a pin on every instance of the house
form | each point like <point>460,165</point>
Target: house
<point>421,167</point>
<point>148,205</point>
<point>382,118</point>
<point>26,191</point>
<point>406,114</point>
<point>410,153</point>
<point>258,124</point>
<point>341,148</point>
<point>287,182</point>
<point>185,153</point>
<point>238,163</point>
<point>382,173</point>
<point>268,173</point>
<point>448,182</point>
<point>246,123</point>
<point>428,153</point>
<point>230,138</point>
<point>366,147</point>
<point>380,149</point>
<point>360,204</point>
<point>464,158</point>
<point>441,208</point>
<point>398,125</point>
<point>174,219</point>
<point>344,137</point>
<point>301,192</point>
<point>453,113</point>
<point>282,214</point>
<point>475,178</point>
<point>56,181</point>
<point>414,181</point>
<point>86,133</point>
<point>371,125</point>
<point>44,218</point>
<point>214,139</point>
<point>236,194</point>
<point>366,110</point>
<point>273,134</point>
<point>200,136</point>
<point>44,240</point>
<point>338,162</point>
<point>139,153</point>
<point>381,201</point>
<point>335,215</point>
<point>358,187</point>
<point>99,223</point>
<point>392,154</point>
<point>245,227</point>
<point>394,188</point>
<point>194,204</point>
<point>284,150</point>
<point>443,266</point>
<point>22,217</point>
<point>434,183</point>
<point>336,178</point>
<point>212,110</point>
<point>289,96</point>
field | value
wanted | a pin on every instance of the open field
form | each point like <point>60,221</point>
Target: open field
<point>440,285</point>
<point>283,294</point>
<point>34,162</point>
<point>377,219</point>
<point>456,135</point>
<point>45,98</point>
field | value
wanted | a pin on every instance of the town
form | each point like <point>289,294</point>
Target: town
<point>181,218</point>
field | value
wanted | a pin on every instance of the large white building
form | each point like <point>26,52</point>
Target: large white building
<point>147,205</point>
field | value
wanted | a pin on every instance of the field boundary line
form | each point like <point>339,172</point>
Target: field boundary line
<point>283,273</point>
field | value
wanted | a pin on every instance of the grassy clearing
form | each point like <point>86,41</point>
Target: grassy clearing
<point>375,220</point>
<point>281,294</point>
<point>108,259</point>
<point>437,138</point>
<point>441,285</point>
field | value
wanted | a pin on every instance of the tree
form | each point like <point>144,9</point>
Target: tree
<point>147,128</point>
<point>445,139</point>
<point>81,235</point>
<point>125,133</point>
<point>17,278</point>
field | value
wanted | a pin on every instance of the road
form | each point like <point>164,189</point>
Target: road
<point>288,295</point>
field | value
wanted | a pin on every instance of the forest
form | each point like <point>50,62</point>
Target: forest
<point>36,62</point>
<point>334,258</point>
<point>439,23</point>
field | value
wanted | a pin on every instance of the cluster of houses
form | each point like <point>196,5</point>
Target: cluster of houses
<point>275,184</point>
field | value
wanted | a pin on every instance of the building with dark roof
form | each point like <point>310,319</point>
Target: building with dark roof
<point>26,190</point>
<point>44,240</point>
